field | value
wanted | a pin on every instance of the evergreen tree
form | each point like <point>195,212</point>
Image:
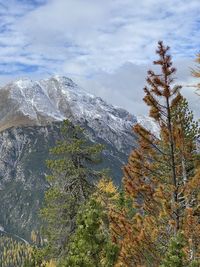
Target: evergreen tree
<point>162,176</point>
<point>175,256</point>
<point>71,182</point>
<point>91,244</point>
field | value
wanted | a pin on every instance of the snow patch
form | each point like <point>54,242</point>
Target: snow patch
<point>150,124</point>
<point>57,98</point>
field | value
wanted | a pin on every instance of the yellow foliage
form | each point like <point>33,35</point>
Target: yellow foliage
<point>13,252</point>
<point>51,263</point>
<point>107,187</point>
<point>107,193</point>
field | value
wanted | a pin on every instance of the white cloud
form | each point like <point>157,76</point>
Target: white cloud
<point>105,34</point>
<point>110,41</point>
<point>124,87</point>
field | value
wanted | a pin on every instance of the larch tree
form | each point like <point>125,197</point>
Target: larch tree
<point>161,177</point>
<point>72,181</point>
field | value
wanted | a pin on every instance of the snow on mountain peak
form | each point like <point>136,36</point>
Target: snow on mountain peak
<point>23,83</point>
<point>39,102</point>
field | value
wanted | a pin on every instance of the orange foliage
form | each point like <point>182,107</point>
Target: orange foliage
<point>160,177</point>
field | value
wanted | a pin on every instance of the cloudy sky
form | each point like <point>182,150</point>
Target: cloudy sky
<point>104,45</point>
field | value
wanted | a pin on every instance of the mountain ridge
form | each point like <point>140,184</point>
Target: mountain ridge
<point>40,108</point>
<point>55,98</point>
<point>28,103</point>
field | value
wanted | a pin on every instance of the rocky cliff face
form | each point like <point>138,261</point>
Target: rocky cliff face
<point>30,121</point>
<point>22,175</point>
<point>23,170</point>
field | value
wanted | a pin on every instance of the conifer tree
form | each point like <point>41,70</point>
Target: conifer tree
<point>91,244</point>
<point>162,176</point>
<point>175,256</point>
<point>71,182</point>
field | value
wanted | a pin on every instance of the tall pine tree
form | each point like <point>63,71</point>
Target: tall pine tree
<point>72,181</point>
<point>162,176</point>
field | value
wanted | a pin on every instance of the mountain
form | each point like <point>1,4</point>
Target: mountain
<point>26,102</point>
<point>31,114</point>
<point>149,124</point>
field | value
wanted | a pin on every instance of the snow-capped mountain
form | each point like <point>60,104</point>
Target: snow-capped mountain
<point>30,121</point>
<point>36,109</point>
<point>55,99</point>
<point>27,102</point>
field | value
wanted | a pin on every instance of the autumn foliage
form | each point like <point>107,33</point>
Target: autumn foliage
<point>154,220</point>
<point>161,177</point>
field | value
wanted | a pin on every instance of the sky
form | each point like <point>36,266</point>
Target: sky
<point>105,46</point>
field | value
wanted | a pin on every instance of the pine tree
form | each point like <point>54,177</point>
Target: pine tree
<point>72,181</point>
<point>162,176</point>
<point>91,244</point>
<point>175,256</point>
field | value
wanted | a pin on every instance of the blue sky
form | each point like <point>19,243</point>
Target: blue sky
<point>106,45</point>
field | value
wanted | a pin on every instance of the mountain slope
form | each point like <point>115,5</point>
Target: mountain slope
<point>27,102</point>
<point>30,121</point>
<point>22,172</point>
